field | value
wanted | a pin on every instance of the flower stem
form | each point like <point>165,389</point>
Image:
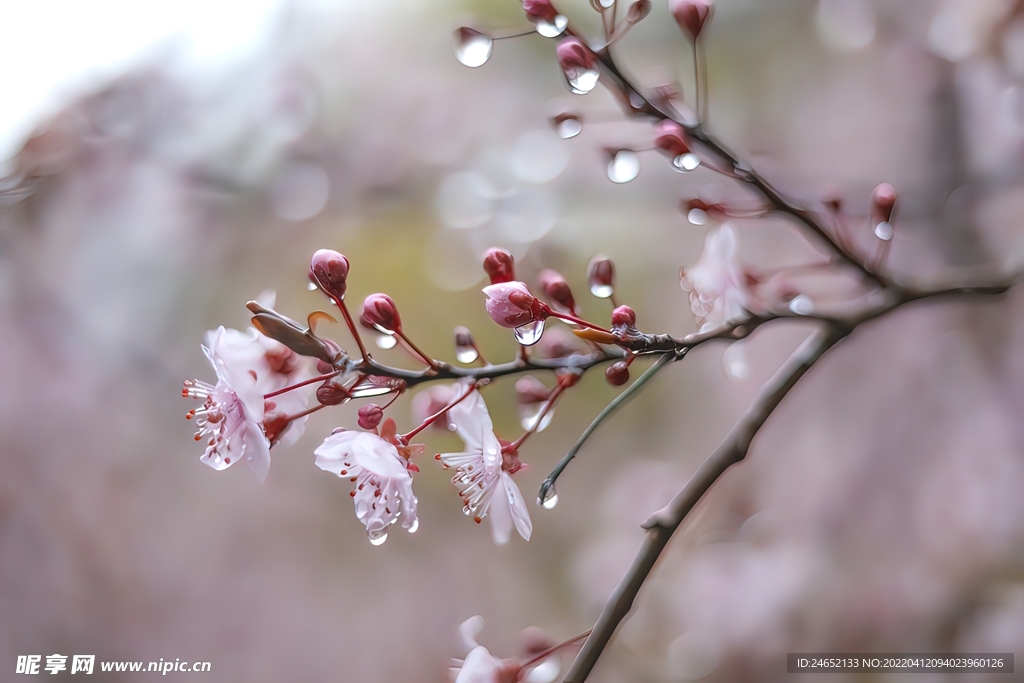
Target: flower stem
<point>554,648</point>
<point>514,446</point>
<point>312,380</point>
<point>351,327</point>
<point>433,418</point>
<point>578,321</point>
<point>415,349</point>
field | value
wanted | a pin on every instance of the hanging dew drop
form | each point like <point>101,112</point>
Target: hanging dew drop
<point>601,291</point>
<point>386,341</point>
<point>312,287</point>
<point>624,166</point>
<point>697,216</point>
<point>548,498</point>
<point>883,231</point>
<point>801,305</point>
<point>530,333</point>
<point>466,354</point>
<point>569,127</point>
<point>686,162</point>
<point>377,537</point>
<point>414,527</point>
<point>581,80</point>
<point>472,48</point>
<point>529,413</point>
<point>554,28</point>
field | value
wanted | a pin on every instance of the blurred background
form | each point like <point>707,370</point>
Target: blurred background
<point>163,163</point>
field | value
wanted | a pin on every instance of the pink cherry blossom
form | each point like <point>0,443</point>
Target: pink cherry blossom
<point>482,475</point>
<point>383,482</point>
<point>511,304</point>
<point>718,286</point>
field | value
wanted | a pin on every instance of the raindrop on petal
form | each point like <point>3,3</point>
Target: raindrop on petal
<point>386,341</point>
<point>686,162</point>
<point>568,126</point>
<point>552,29</point>
<point>801,305</point>
<point>697,216</point>
<point>414,527</point>
<point>466,354</point>
<point>581,80</point>
<point>530,333</point>
<point>472,47</point>
<point>624,166</point>
<point>548,498</point>
<point>377,537</point>
<point>883,231</point>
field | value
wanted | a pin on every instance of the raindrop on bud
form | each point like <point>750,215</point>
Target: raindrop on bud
<point>617,373</point>
<point>601,276</point>
<point>377,537</point>
<point>579,65</point>
<point>381,314</point>
<point>548,497</point>
<point>801,305</point>
<point>465,347</point>
<point>386,341</point>
<point>883,231</point>
<point>697,216</point>
<point>567,125</point>
<point>624,166</point>
<point>686,162</point>
<point>472,48</point>
<point>553,28</point>
<point>530,333</point>
<point>312,287</point>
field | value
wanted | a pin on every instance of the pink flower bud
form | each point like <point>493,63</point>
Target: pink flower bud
<point>623,315</point>
<point>573,54</point>
<point>539,10</point>
<point>530,390</point>
<point>691,15</point>
<point>557,289</point>
<point>510,304</point>
<point>381,314</point>
<point>328,270</point>
<point>617,373</point>
<point>882,201</point>
<point>638,10</point>
<point>671,138</point>
<point>370,416</point>
<point>499,265</point>
<point>601,276</point>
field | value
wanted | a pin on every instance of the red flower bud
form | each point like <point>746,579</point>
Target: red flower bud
<point>601,276</point>
<point>691,15</point>
<point>671,138</point>
<point>623,315</point>
<point>539,10</point>
<point>573,54</point>
<point>328,270</point>
<point>381,314</point>
<point>617,373</point>
<point>370,416</point>
<point>510,304</point>
<point>499,265</point>
<point>883,199</point>
<point>557,289</point>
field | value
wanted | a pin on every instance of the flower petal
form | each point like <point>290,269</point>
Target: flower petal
<point>520,513</point>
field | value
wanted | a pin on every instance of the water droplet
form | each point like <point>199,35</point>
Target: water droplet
<point>368,390</point>
<point>386,341</point>
<point>466,354</point>
<point>636,100</point>
<point>624,166</point>
<point>530,333</point>
<point>605,4</point>
<point>734,361</point>
<point>528,414</point>
<point>551,29</point>
<point>472,47</point>
<point>568,126</point>
<point>801,305</point>
<point>414,527</point>
<point>601,291</point>
<point>383,330</point>
<point>452,427</point>
<point>686,162</point>
<point>548,497</point>
<point>697,216</point>
<point>883,231</point>
<point>377,537</point>
<point>466,510</point>
<point>312,287</point>
<point>581,80</point>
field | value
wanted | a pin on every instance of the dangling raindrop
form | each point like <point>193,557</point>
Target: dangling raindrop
<point>548,497</point>
<point>528,414</point>
<point>466,510</point>
<point>386,341</point>
<point>312,287</point>
<point>553,28</point>
<point>530,333</point>
<point>568,126</point>
<point>377,537</point>
<point>466,354</point>
<point>472,48</point>
<point>801,305</point>
<point>383,330</point>
<point>581,80</point>
<point>697,216</point>
<point>686,162</point>
<point>883,231</point>
<point>624,166</point>
<point>734,361</point>
<point>601,291</point>
<point>414,527</point>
